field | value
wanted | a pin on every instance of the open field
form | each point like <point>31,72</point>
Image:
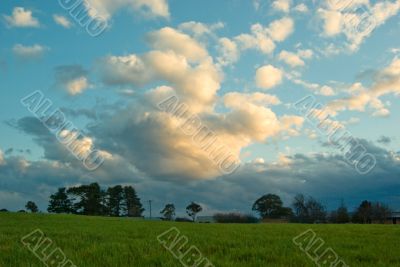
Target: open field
<point>96,241</point>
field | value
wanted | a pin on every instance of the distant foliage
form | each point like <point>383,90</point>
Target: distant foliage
<point>235,218</point>
<point>192,209</point>
<point>369,212</point>
<point>31,206</point>
<point>93,200</point>
<point>308,210</point>
<point>271,206</point>
<point>168,212</point>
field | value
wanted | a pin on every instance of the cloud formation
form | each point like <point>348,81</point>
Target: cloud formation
<point>29,52</point>
<point>21,18</point>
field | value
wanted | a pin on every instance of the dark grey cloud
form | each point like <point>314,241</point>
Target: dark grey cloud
<point>327,177</point>
<point>66,73</point>
<point>385,140</point>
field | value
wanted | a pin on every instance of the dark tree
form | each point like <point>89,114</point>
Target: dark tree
<point>342,214</point>
<point>168,212</point>
<point>363,213</point>
<point>271,206</point>
<point>308,210</point>
<point>299,207</point>
<point>369,212</point>
<point>114,202</point>
<point>192,209</point>
<point>132,205</point>
<point>380,212</point>
<point>31,206</point>
<point>88,199</point>
<point>59,202</point>
<point>316,211</point>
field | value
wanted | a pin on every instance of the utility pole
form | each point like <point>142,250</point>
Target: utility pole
<point>150,207</point>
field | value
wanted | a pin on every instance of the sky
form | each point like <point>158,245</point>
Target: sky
<point>217,102</point>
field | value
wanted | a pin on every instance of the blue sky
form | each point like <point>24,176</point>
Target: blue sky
<point>239,66</point>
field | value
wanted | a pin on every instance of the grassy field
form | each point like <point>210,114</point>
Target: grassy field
<point>96,241</point>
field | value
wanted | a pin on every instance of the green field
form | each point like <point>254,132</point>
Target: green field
<point>97,241</point>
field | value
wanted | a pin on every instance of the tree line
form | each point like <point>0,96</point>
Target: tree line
<point>91,199</point>
<point>309,210</point>
<point>123,201</point>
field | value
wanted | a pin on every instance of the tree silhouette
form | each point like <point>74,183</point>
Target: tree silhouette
<point>59,202</point>
<point>31,206</point>
<point>115,195</point>
<point>270,206</point>
<point>192,209</point>
<point>132,205</point>
<point>168,212</point>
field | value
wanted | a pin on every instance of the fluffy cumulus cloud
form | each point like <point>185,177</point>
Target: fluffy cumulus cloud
<point>228,50</point>
<point>21,17</point>
<point>263,38</point>
<point>355,20</point>
<point>282,5</point>
<point>153,139</point>
<point>104,9</point>
<point>295,59</point>
<point>29,52</point>
<point>268,77</point>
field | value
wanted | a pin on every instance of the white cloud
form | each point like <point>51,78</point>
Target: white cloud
<point>282,5</point>
<point>291,59</point>
<point>333,24</point>
<point>355,20</point>
<point>228,51</point>
<point>104,9</point>
<point>21,18</point>
<point>295,59</point>
<point>264,38</point>
<point>170,39</point>
<point>77,86</point>
<point>198,29</point>
<point>386,81</point>
<point>63,21</point>
<point>183,67</point>
<point>29,52</point>
<point>279,30</point>
<point>268,77</point>
<point>302,8</point>
<point>259,39</point>
<point>235,99</point>
<point>324,90</point>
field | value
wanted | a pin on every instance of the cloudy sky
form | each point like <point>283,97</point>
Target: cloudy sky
<point>235,69</point>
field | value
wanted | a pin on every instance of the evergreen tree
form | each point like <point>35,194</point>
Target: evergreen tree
<point>59,202</point>
<point>132,205</point>
<point>114,202</point>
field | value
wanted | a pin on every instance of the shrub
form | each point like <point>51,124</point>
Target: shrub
<point>234,218</point>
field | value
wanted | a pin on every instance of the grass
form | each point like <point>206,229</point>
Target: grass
<point>97,241</point>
